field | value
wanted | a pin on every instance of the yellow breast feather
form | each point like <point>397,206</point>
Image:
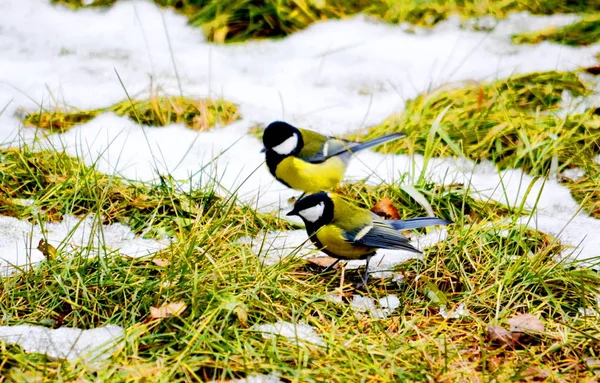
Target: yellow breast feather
<point>334,244</point>
<point>311,178</point>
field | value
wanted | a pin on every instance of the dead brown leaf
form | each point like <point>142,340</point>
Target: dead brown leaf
<point>535,373</point>
<point>502,335</point>
<point>480,97</point>
<point>161,262</point>
<point>386,209</point>
<point>167,310</point>
<point>242,314</point>
<point>56,178</point>
<point>526,323</point>
<point>323,261</point>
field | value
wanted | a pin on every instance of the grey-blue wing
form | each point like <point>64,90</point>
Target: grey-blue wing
<point>380,235</point>
<point>333,147</point>
<point>344,149</point>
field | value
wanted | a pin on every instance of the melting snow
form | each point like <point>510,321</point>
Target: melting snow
<point>255,378</point>
<point>297,333</point>
<point>380,308</point>
<point>460,312</point>
<point>68,343</point>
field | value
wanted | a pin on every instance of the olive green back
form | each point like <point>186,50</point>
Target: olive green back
<point>348,216</point>
<point>313,144</point>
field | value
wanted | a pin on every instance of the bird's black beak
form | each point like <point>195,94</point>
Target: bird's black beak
<point>291,213</point>
<point>263,150</point>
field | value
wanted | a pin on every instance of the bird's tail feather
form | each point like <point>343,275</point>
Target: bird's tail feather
<point>415,223</point>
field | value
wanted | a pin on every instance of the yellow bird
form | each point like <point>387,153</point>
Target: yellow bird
<point>347,232</point>
<point>308,161</point>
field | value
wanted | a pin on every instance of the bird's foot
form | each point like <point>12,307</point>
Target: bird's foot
<point>330,267</point>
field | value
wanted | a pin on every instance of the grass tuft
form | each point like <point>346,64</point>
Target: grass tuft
<point>586,190</point>
<point>196,114</point>
<point>495,269</point>
<point>508,122</point>
<point>503,269</point>
<point>57,121</point>
<point>157,110</point>
<point>584,32</point>
<point>500,121</point>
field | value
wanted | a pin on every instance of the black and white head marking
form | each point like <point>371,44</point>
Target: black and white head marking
<point>315,209</point>
<point>288,146</point>
<point>314,213</point>
<point>282,139</point>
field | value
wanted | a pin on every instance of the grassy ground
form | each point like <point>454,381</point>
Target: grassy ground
<point>584,32</point>
<point>494,267</point>
<point>496,271</point>
<point>239,20</point>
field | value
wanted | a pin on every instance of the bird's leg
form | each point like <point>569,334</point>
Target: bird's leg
<point>330,266</point>
<point>365,277</point>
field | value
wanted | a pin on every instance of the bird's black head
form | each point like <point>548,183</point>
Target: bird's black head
<point>315,210</point>
<point>282,138</point>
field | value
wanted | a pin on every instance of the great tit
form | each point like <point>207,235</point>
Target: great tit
<point>308,161</point>
<point>347,232</point>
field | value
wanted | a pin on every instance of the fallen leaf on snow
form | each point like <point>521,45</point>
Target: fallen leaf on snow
<point>167,310</point>
<point>386,209</point>
<point>526,323</point>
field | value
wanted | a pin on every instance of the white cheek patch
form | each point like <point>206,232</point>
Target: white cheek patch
<point>312,214</point>
<point>287,146</point>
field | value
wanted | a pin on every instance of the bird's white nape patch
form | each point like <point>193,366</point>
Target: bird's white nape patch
<point>287,146</point>
<point>363,232</point>
<point>312,214</point>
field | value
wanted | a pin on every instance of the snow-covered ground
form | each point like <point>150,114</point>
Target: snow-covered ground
<point>65,342</point>
<point>334,77</point>
<point>19,240</point>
